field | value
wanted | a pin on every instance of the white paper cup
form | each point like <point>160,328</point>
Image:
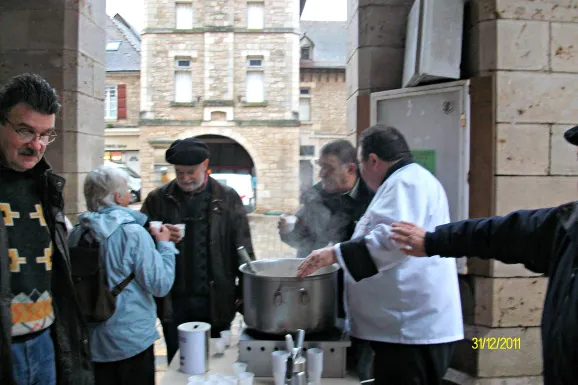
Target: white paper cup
<point>288,223</point>
<point>314,364</point>
<point>194,347</point>
<point>220,346</point>
<point>182,228</point>
<point>226,336</point>
<point>246,378</point>
<point>279,366</point>
<point>239,367</point>
<point>156,225</point>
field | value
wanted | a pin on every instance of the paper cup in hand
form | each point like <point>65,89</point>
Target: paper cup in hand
<point>194,340</point>
<point>156,225</point>
<point>314,365</point>
<point>279,365</point>
<point>288,223</point>
<point>181,227</point>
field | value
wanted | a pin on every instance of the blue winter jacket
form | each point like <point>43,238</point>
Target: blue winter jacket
<point>128,247</point>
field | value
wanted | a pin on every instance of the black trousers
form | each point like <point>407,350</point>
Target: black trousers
<point>187,309</point>
<point>137,370</point>
<point>400,364</point>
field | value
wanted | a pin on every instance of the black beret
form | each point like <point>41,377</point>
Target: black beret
<point>571,135</point>
<point>187,152</point>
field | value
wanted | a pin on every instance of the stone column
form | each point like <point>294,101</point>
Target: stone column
<point>521,57</point>
<point>375,51</point>
<point>63,41</point>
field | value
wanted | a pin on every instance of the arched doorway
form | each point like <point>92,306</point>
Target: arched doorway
<point>232,165</point>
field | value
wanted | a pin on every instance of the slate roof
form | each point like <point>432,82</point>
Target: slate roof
<point>127,57</point>
<point>330,43</point>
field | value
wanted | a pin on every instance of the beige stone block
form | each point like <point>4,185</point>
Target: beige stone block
<point>509,302</point>
<point>548,10</point>
<point>74,201</point>
<point>564,158</point>
<point>500,269</point>
<point>522,149</point>
<point>525,361</point>
<point>536,98</point>
<point>530,192</point>
<point>91,37</point>
<point>522,45</point>
<point>564,47</point>
<point>497,269</point>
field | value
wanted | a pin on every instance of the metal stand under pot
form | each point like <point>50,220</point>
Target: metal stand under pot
<point>276,302</point>
<point>255,349</point>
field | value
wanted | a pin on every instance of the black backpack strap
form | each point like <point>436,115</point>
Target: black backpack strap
<point>120,287</point>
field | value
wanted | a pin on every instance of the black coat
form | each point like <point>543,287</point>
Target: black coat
<point>325,218</point>
<point>69,331</point>
<point>228,229</point>
<point>546,242</point>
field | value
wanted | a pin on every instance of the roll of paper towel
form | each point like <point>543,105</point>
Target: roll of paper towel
<point>194,340</point>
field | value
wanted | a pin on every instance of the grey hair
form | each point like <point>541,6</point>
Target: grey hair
<point>100,186</point>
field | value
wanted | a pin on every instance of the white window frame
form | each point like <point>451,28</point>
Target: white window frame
<point>110,101</point>
<point>184,21</point>
<point>255,15</point>
<point>304,117</point>
<point>179,69</point>
<point>254,68</point>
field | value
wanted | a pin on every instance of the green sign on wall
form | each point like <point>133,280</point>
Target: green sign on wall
<point>425,158</point>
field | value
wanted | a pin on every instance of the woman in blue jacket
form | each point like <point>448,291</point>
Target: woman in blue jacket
<point>122,346</point>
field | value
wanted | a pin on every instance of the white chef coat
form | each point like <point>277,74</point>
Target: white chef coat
<point>411,300</point>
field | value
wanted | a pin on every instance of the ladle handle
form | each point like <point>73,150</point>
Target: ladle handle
<point>245,257</point>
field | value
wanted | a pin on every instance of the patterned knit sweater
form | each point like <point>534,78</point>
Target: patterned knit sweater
<point>30,252</point>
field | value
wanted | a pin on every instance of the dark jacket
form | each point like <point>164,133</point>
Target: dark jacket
<point>325,218</point>
<point>69,331</point>
<point>546,242</point>
<point>228,229</point>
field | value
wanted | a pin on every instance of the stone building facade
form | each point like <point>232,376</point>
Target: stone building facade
<point>122,93</point>
<point>229,71</point>
<point>521,60</point>
<point>197,60</point>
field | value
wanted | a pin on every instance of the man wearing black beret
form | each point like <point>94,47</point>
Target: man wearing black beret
<point>546,242</point>
<point>216,224</point>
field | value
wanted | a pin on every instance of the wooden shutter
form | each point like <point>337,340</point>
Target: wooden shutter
<point>121,90</point>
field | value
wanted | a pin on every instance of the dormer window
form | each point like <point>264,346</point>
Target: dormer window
<point>306,48</point>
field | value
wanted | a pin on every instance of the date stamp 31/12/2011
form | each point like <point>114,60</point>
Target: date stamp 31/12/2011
<point>496,343</point>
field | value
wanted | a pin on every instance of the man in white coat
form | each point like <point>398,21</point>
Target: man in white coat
<point>408,307</point>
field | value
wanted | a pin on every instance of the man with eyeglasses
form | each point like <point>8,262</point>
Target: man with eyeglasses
<point>43,337</point>
<point>329,213</point>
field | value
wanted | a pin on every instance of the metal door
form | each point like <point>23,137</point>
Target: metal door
<point>434,120</point>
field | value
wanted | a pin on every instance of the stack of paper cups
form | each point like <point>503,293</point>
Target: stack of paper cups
<point>194,347</point>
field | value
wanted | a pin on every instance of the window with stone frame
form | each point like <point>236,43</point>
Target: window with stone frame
<point>255,15</point>
<point>183,81</point>
<point>110,102</point>
<point>184,15</point>
<point>255,83</point>
<point>305,105</point>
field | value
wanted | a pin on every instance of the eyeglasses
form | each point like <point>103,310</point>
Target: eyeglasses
<point>27,134</point>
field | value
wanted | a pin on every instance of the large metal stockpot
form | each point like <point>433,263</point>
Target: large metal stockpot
<point>275,301</point>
